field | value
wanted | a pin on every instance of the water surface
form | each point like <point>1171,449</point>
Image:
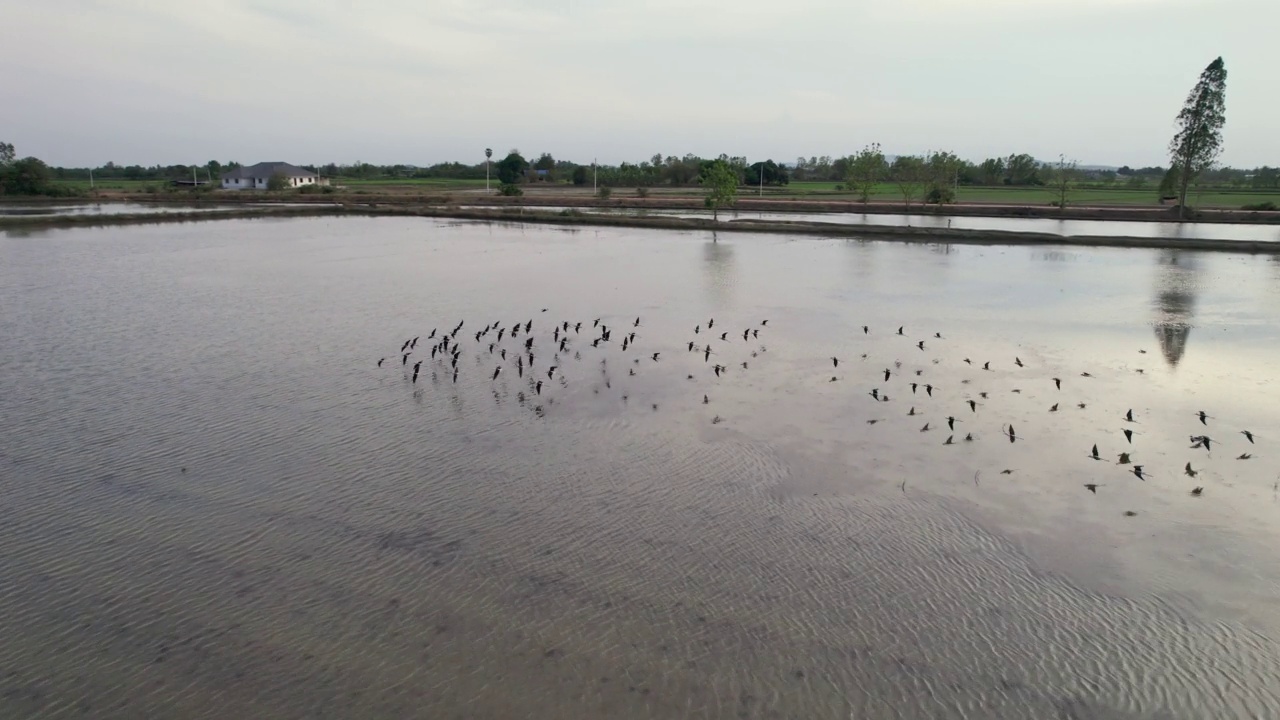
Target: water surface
<point>215,504</point>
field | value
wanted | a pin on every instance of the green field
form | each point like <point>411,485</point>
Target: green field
<point>887,192</point>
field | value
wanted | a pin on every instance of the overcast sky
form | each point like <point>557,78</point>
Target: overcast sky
<point>424,81</point>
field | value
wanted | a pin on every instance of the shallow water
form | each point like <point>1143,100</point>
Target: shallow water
<point>114,208</point>
<point>214,504</point>
<point>1065,228</point>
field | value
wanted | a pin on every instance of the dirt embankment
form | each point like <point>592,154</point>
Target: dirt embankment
<point>522,214</point>
<point>679,201</point>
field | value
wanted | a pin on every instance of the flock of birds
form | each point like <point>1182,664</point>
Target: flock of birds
<point>538,360</point>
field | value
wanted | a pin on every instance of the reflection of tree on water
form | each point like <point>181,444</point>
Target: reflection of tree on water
<point>1175,301</point>
<point>717,270</point>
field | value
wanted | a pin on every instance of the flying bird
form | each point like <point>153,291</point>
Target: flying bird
<point>1094,454</point>
<point>1189,472</point>
<point>1092,487</point>
<point>1196,491</point>
<point>1248,436</point>
<point>1058,383</point>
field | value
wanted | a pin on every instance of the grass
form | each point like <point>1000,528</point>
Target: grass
<point>1045,195</point>
<point>433,183</point>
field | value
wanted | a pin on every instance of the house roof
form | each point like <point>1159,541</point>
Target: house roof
<point>266,170</point>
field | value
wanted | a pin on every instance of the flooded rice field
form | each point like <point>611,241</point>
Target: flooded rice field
<point>226,491</point>
<point>1249,232</point>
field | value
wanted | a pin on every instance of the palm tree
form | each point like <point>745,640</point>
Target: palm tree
<point>488,153</point>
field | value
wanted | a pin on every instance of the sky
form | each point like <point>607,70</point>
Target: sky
<point>424,81</point>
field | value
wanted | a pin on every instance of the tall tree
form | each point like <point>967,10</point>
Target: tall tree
<point>722,186</point>
<point>909,173</point>
<point>512,167</point>
<point>7,153</point>
<point>942,174</point>
<point>864,170</point>
<point>1023,169</point>
<point>1199,138</point>
<point>1062,174</point>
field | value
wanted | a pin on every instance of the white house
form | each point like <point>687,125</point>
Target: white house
<point>255,177</point>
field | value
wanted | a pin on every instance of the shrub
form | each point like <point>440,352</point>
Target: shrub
<point>642,192</point>
<point>940,196</point>
<point>604,193</point>
<point>510,190</point>
<point>327,189</point>
<point>1261,206</point>
<point>839,188</point>
<point>277,182</point>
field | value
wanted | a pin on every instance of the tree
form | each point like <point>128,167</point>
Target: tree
<point>722,186</point>
<point>580,175</point>
<point>6,153</point>
<point>908,174</point>
<point>512,167</point>
<point>864,170</point>
<point>545,162</point>
<point>1169,185</point>
<point>769,171</point>
<point>1022,169</point>
<point>277,181</point>
<point>941,174</point>
<point>1199,138</point>
<point>28,176</point>
<point>991,171</point>
<point>1061,175</point>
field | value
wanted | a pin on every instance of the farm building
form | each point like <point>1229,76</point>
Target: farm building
<point>255,177</point>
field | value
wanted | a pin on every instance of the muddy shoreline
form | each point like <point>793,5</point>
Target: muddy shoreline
<point>534,200</point>
<point>522,214</point>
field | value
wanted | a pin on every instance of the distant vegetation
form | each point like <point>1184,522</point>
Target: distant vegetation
<point>27,176</point>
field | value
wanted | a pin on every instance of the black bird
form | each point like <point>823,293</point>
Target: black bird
<point>380,361</point>
<point>432,335</point>
<point>405,346</point>
<point>724,336</point>
<point>697,329</point>
<point>1248,436</point>
<point>1137,470</point>
<point>835,362</point>
<point>416,366</point>
<point>755,334</point>
<point>1129,415</point>
<point>925,428</point>
<point>538,387</point>
<point>764,322</point>
<point>711,323</point>
<point>528,326</point>
<point>414,343</point>
<point>706,355</point>
<point>1124,459</point>
<point>865,330</point>
<point>1095,455</point>
<point>655,356</point>
<point>1201,441</point>
<point>920,344</point>
<point>875,393</point>
<point>746,334</point>
<point>899,329</point>
<point>938,335</point>
<point>929,389</point>
<point>1203,417</point>
<point>967,361</point>
<point>455,376</point>
<point>986,366</point>
<point>1017,361</point>
<point>718,369</point>
<point>949,441</point>
<point>637,323</point>
<point>405,360</point>
<point>1196,491</point>
<point>1054,408</point>
<point>911,412</point>
<point>1128,435</point>
<point>973,406</point>
<point>1244,456</point>
<point>596,323</point>
<point>503,353</point>
<point>690,346</point>
<point>744,365</point>
<point>415,376</point>
<point>1010,433</point>
<point>705,400</point>
<point>913,388</point>
<point>1092,487</point>
<point>968,437</point>
<point>951,423</point>
<point>576,328</point>
<point>1058,383</point>
<point>1189,472</point>
<point>496,371</point>
<point>886,374</point>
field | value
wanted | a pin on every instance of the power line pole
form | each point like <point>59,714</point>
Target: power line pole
<point>593,175</point>
<point>761,179</point>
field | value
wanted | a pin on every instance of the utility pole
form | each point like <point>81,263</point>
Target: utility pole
<point>761,179</point>
<point>90,178</point>
<point>593,175</point>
